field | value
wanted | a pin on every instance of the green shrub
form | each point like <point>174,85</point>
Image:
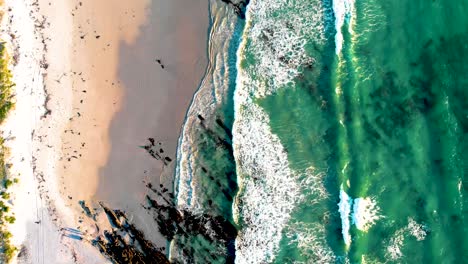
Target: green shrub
<point>5,195</point>
<point>10,219</point>
<point>7,251</point>
<point>7,183</point>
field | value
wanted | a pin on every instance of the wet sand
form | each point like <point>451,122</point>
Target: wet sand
<point>154,102</point>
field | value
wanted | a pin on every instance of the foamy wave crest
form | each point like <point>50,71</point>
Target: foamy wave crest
<point>268,188</point>
<point>310,237</point>
<point>273,51</point>
<point>343,10</point>
<point>270,191</point>
<point>311,183</point>
<point>396,243</point>
<point>418,231</point>
<point>344,207</point>
<point>311,241</point>
<point>365,213</point>
<point>278,33</point>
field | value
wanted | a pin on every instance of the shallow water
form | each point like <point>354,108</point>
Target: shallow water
<point>205,174</point>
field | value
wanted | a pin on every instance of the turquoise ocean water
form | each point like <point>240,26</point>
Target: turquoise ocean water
<point>330,131</point>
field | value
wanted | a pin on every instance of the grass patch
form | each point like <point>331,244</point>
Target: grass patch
<point>7,251</point>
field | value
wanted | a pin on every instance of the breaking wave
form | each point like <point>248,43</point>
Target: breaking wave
<point>274,51</point>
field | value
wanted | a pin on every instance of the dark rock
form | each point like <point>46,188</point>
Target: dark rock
<point>224,127</point>
<point>238,6</point>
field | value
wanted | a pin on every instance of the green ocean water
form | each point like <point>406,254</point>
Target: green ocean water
<point>351,151</point>
<point>385,119</point>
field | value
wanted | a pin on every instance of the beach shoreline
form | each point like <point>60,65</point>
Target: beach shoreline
<point>159,72</point>
<point>75,96</point>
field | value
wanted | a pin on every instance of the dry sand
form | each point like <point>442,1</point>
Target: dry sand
<point>89,92</point>
<point>100,28</point>
<point>34,136</point>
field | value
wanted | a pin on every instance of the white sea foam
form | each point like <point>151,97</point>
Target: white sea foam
<point>275,37</point>
<point>311,242</point>
<point>365,213</point>
<point>310,237</point>
<point>270,192</point>
<point>311,183</point>
<point>343,10</point>
<point>268,188</point>
<point>414,229</point>
<point>395,244</point>
<point>340,12</point>
<point>344,207</point>
<point>211,93</point>
<point>418,231</point>
<point>279,31</point>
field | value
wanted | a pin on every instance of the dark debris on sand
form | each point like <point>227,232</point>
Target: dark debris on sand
<point>156,151</point>
<point>125,243</point>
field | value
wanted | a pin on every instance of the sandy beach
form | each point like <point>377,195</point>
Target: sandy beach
<point>33,130</point>
<point>94,80</point>
<point>154,103</point>
<point>99,29</point>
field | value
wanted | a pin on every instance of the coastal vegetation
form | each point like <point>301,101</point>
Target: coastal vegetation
<point>6,104</point>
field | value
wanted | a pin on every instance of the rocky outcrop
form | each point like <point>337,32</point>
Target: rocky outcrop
<point>125,243</point>
<point>238,6</point>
